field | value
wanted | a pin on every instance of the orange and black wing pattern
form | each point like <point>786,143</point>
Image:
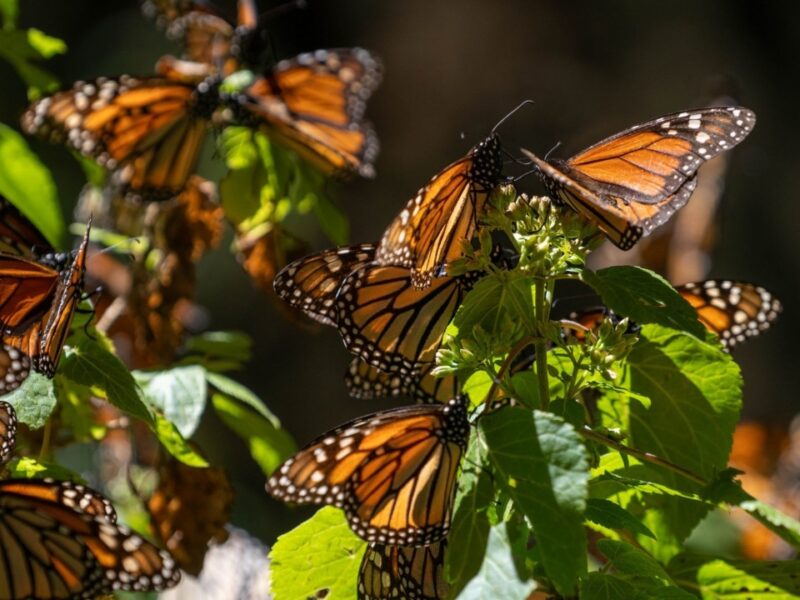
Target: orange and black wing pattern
<point>390,324</point>
<point>312,283</point>
<point>366,382</point>
<point>734,310</point>
<point>43,341</point>
<point>430,231</point>
<point>61,541</point>
<point>146,132</point>
<point>314,104</point>
<point>393,472</point>
<point>632,182</point>
<point>391,572</point>
<point>18,236</point>
<point>8,430</point>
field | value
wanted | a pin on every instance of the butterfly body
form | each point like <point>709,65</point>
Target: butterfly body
<point>634,181</point>
<point>430,231</point>
<point>393,472</point>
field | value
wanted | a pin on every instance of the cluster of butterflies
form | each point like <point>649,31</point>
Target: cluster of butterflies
<point>394,472</point>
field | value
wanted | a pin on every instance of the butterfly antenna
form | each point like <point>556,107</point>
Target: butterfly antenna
<point>510,114</point>
<point>525,174</point>
<point>553,149</point>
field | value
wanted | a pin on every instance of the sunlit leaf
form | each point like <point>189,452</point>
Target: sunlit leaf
<point>317,559</point>
<point>169,436</point>
<point>179,393</point>
<point>33,401</point>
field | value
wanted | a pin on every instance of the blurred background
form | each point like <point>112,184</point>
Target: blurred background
<point>452,69</point>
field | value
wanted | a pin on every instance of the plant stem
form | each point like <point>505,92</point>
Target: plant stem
<point>44,451</point>
<point>542,308</point>
<point>512,354</point>
<point>641,454</point>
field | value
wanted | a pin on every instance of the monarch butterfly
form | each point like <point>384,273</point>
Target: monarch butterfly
<point>210,41</point>
<point>392,325</point>
<point>734,310</point>
<point>147,132</point>
<point>367,382</point>
<point>312,282</point>
<point>429,232</point>
<point>314,104</point>
<point>393,472</point>
<point>39,344</point>
<point>8,431</point>
<point>632,182</point>
<point>61,540</point>
<point>20,237</point>
<point>389,572</point>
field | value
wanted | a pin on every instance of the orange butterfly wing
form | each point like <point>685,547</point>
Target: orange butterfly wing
<point>734,310</point>
<point>148,132</point>
<point>311,283</point>
<point>632,182</point>
<point>429,232</point>
<point>314,104</point>
<point>389,572</point>
<point>393,472</point>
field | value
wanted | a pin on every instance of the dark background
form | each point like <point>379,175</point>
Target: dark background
<point>453,68</point>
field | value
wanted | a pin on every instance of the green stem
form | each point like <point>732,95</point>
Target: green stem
<point>542,308</point>
<point>641,454</point>
<point>44,451</point>
<point>497,378</point>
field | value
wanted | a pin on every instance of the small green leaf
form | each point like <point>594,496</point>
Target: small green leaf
<point>611,515</point>
<point>493,301</point>
<point>629,560</point>
<point>179,393</point>
<point>317,559</point>
<point>34,401</point>
<point>30,468</point>
<point>23,49</point>
<point>602,586</point>
<point>269,445</point>
<point>236,390</point>
<point>169,436</point>
<point>543,465</point>
<point>469,530</point>
<point>27,183</point>
<point>91,365</point>
<point>645,297</point>
<point>221,345</point>
<point>718,579</point>
<point>497,578</point>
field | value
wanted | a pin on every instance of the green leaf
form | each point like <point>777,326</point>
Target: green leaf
<point>332,220</point>
<point>543,464</point>
<point>497,578</point>
<point>601,586</point>
<point>720,579</point>
<point>30,468</point>
<point>493,301</point>
<point>28,185</point>
<point>90,364</point>
<point>34,401</point>
<point>469,530</point>
<point>695,391</point>
<point>629,560</point>
<point>179,393</point>
<point>226,345</point>
<point>645,297</point>
<point>23,48</point>
<point>269,445</point>
<point>236,390</point>
<point>169,436</point>
<point>613,516</point>
<point>317,559</point>
<point>9,10</point>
